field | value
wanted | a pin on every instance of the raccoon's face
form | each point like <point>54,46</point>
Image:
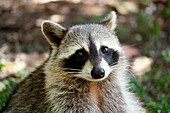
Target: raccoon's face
<point>83,51</point>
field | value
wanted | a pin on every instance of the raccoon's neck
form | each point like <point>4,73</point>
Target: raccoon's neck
<point>111,96</point>
<point>104,96</point>
<point>66,96</point>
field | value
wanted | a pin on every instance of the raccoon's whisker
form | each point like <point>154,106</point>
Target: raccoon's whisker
<point>113,64</point>
<point>117,66</point>
<point>70,72</point>
<point>74,72</point>
<point>113,73</point>
<point>131,74</point>
<point>71,69</point>
<point>124,61</point>
<point>133,45</point>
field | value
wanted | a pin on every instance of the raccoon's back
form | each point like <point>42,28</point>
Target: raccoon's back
<point>29,96</point>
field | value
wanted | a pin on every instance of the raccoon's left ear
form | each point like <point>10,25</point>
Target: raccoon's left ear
<point>110,21</point>
<point>53,32</point>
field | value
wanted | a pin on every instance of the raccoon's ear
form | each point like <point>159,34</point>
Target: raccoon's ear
<point>53,32</point>
<point>110,21</point>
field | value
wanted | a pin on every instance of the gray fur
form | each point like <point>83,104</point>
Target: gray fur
<point>51,89</point>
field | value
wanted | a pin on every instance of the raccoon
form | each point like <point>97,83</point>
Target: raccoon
<point>86,72</point>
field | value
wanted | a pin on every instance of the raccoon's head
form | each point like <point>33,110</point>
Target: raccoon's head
<point>90,52</point>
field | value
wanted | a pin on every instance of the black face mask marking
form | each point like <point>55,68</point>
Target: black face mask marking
<point>109,55</point>
<point>76,61</point>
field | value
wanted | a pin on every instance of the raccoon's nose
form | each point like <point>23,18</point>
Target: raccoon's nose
<point>97,73</point>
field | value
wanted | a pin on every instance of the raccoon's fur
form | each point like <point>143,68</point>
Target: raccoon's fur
<point>86,72</point>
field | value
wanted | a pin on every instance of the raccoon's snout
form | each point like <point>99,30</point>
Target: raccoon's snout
<point>97,72</point>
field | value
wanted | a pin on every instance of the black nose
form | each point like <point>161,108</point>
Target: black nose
<point>97,73</point>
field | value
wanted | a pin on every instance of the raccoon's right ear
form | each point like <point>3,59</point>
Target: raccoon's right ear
<point>53,32</point>
<point>110,21</point>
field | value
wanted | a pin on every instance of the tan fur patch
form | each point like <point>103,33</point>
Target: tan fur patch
<point>94,90</point>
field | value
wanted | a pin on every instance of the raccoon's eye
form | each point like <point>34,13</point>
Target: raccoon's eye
<point>104,49</point>
<point>80,54</point>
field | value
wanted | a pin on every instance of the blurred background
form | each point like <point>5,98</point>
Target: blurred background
<point>143,30</point>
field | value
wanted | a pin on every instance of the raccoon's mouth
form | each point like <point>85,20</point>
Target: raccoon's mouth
<point>88,77</point>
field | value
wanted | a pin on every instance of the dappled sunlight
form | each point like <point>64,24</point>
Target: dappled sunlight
<point>13,63</point>
<point>57,18</point>
<point>39,21</point>
<point>141,65</point>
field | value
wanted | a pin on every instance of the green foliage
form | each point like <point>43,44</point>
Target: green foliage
<point>153,89</point>
<point>146,2</point>
<point>1,63</point>
<point>123,32</point>
<point>165,10</point>
<point>166,55</point>
<point>7,85</point>
<point>22,74</point>
<point>79,20</point>
<point>147,26</point>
